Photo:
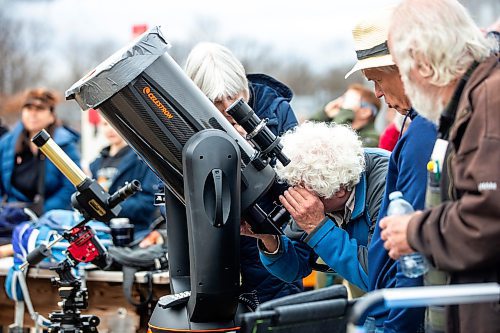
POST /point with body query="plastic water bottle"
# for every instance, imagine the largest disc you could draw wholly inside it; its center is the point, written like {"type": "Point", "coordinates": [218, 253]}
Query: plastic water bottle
{"type": "Point", "coordinates": [414, 264]}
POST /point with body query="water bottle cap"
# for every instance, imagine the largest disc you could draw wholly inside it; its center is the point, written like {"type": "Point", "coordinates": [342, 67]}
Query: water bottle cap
{"type": "Point", "coordinates": [395, 195]}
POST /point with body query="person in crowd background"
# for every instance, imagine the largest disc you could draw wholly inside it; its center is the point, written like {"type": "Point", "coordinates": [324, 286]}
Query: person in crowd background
{"type": "Point", "coordinates": [27, 176]}
{"type": "Point", "coordinates": [451, 73]}
{"type": "Point", "coordinates": [222, 78]}
{"type": "Point", "coordinates": [393, 132]}
{"type": "Point", "coordinates": [118, 164]}
{"type": "Point", "coordinates": [334, 199]}
{"type": "Point", "coordinates": [357, 107]}
{"type": "Point", "coordinates": [407, 170]}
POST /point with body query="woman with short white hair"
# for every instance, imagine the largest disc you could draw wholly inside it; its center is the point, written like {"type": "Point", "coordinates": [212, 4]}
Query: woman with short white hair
{"type": "Point", "coordinates": [335, 195]}
{"type": "Point", "coordinates": [217, 72]}
{"type": "Point", "coordinates": [222, 78]}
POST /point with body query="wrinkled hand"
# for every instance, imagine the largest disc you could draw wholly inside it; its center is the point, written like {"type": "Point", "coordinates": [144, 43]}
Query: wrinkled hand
{"type": "Point", "coordinates": [246, 230]}
{"type": "Point", "coordinates": [305, 207]}
{"type": "Point", "coordinates": [269, 241]}
{"type": "Point", "coordinates": [394, 230]}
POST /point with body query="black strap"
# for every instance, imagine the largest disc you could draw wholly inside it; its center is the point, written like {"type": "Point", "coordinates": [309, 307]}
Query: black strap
{"type": "Point", "coordinates": [376, 51]}
{"type": "Point", "coordinates": [128, 282]}
{"type": "Point", "coordinates": [39, 199]}
{"type": "Point", "coordinates": [411, 113]}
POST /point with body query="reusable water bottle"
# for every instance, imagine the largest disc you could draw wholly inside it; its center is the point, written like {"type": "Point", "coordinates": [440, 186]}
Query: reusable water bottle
{"type": "Point", "coordinates": [414, 264]}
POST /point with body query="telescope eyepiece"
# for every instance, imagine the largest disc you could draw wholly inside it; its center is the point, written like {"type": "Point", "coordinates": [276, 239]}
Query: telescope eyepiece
{"type": "Point", "coordinates": [268, 144]}
{"type": "Point", "coordinates": [124, 192]}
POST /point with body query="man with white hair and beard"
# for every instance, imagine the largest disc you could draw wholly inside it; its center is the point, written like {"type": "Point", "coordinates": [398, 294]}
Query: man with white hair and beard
{"type": "Point", "coordinates": [452, 76]}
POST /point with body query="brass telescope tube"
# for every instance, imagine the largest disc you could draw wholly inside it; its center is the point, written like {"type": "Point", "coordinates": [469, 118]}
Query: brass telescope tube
{"type": "Point", "coordinates": [70, 170]}
{"type": "Point", "coordinates": [60, 159]}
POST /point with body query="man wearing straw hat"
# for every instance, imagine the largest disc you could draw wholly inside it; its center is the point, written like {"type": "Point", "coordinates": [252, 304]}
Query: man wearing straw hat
{"type": "Point", "coordinates": [407, 167]}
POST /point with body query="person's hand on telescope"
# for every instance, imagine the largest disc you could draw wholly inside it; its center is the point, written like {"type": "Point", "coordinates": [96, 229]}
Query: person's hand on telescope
{"type": "Point", "coordinates": [269, 241]}
{"type": "Point", "coordinates": [305, 206]}
{"type": "Point", "coordinates": [240, 130]}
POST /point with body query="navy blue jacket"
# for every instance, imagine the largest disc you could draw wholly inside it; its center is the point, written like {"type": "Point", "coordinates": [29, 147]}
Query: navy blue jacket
{"type": "Point", "coordinates": [269, 99]}
{"type": "Point", "coordinates": [407, 173]}
{"type": "Point", "coordinates": [58, 189]}
{"type": "Point", "coordinates": [138, 208]}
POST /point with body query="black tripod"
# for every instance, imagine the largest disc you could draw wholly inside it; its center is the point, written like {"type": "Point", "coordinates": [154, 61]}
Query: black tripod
{"type": "Point", "coordinates": [73, 299]}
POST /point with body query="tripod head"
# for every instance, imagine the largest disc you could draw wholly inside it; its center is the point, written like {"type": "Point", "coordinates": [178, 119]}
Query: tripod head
{"type": "Point", "coordinates": [73, 299]}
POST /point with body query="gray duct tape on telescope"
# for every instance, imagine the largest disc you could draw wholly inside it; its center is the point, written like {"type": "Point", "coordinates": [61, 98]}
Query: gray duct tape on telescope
{"type": "Point", "coordinates": [118, 70]}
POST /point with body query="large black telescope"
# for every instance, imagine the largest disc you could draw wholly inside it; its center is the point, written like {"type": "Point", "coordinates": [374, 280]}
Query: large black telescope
{"type": "Point", "coordinates": [214, 176]}
{"type": "Point", "coordinates": [151, 102]}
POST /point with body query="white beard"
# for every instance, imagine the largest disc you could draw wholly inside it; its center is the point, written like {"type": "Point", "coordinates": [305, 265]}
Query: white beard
{"type": "Point", "coordinates": [427, 105]}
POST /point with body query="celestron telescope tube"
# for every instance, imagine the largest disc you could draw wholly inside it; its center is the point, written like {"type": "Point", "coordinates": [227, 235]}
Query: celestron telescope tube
{"type": "Point", "coordinates": [156, 108]}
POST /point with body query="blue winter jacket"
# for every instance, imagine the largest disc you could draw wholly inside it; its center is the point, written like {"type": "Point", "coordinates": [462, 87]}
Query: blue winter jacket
{"type": "Point", "coordinates": [138, 208]}
{"type": "Point", "coordinates": [342, 249]}
{"type": "Point", "coordinates": [269, 99]}
{"type": "Point", "coordinates": [408, 174]}
{"type": "Point", "coordinates": [58, 189]}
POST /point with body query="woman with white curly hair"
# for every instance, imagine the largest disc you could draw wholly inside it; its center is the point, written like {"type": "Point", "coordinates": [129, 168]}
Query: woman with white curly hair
{"type": "Point", "coordinates": [335, 195]}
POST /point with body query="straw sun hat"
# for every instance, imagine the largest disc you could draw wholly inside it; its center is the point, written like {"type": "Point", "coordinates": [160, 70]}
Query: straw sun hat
{"type": "Point", "coordinates": [370, 40]}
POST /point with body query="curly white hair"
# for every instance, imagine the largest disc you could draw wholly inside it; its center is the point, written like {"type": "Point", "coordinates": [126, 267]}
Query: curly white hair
{"type": "Point", "coordinates": [324, 157]}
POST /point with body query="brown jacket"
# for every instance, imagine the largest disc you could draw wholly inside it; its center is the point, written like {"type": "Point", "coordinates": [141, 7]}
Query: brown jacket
{"type": "Point", "coordinates": [462, 236]}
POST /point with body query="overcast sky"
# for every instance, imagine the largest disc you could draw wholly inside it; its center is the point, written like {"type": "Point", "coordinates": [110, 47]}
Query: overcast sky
{"type": "Point", "coordinates": [318, 31]}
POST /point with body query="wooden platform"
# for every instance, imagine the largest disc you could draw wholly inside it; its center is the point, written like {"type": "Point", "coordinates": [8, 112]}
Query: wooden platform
{"type": "Point", "coordinates": [105, 295]}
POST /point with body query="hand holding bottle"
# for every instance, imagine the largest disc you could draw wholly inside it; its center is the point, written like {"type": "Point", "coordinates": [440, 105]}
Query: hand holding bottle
{"type": "Point", "coordinates": [394, 227]}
